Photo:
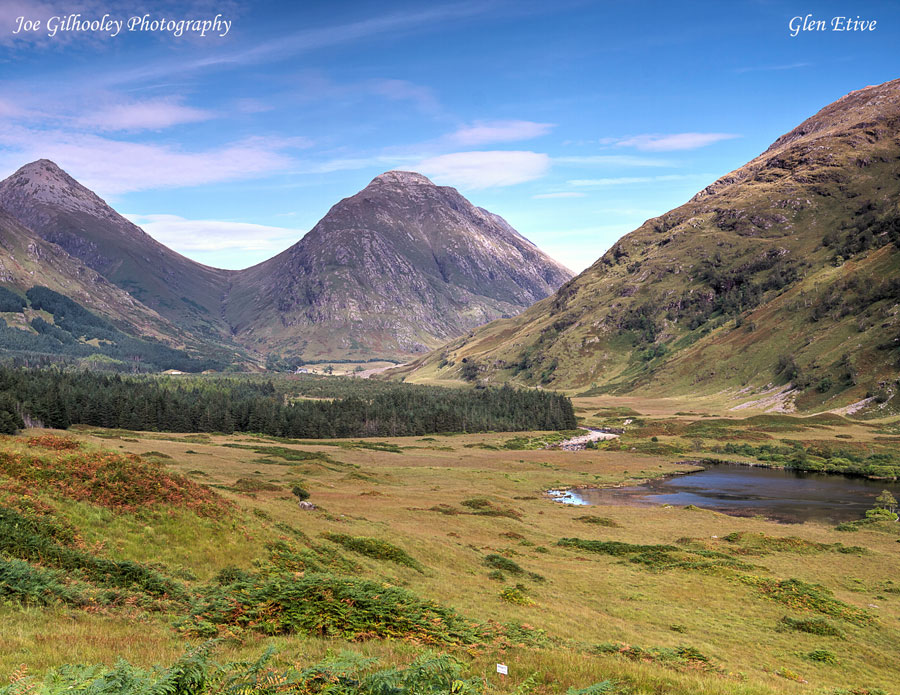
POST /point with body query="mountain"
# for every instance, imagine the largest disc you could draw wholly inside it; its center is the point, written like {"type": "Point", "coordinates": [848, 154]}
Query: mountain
{"type": "Point", "coordinates": [782, 276]}
{"type": "Point", "coordinates": [27, 260]}
{"type": "Point", "coordinates": [396, 269]}
{"type": "Point", "coordinates": [47, 200]}
{"type": "Point", "coordinates": [55, 307]}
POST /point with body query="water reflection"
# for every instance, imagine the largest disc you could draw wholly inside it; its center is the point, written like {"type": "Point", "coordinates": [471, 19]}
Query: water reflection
{"type": "Point", "coordinates": [786, 496]}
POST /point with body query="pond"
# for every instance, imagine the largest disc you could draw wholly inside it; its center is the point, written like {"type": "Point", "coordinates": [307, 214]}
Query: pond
{"type": "Point", "coordinates": [782, 495]}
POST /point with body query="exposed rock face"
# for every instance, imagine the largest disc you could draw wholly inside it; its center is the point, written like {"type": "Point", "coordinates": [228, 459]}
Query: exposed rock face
{"type": "Point", "coordinates": [398, 268]}
{"type": "Point", "coordinates": [47, 200]}
{"type": "Point", "coordinates": [784, 270]}
{"type": "Point", "coordinates": [27, 260]}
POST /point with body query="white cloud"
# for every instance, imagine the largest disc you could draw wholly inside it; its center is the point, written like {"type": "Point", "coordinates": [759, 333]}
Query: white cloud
{"type": "Point", "coordinates": [623, 180]}
{"type": "Point", "coordinates": [620, 160]}
{"type": "Point", "coordinates": [562, 194]}
{"type": "Point", "coordinates": [484, 132]}
{"type": "Point", "coordinates": [112, 167]}
{"type": "Point", "coordinates": [143, 115]}
{"type": "Point", "coordinates": [485, 169]}
{"type": "Point", "coordinates": [190, 236]}
{"type": "Point", "coordinates": [675, 141]}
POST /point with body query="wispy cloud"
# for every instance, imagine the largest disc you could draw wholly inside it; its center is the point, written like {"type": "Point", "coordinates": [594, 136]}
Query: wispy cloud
{"type": "Point", "coordinates": [188, 236]}
{"type": "Point", "coordinates": [486, 132]}
{"type": "Point", "coordinates": [113, 167]}
{"type": "Point", "coordinates": [561, 194]}
{"type": "Point", "coordinates": [486, 169]}
{"type": "Point", "coordinates": [153, 114]}
{"type": "Point", "coordinates": [768, 68]}
{"type": "Point", "coordinates": [423, 98]}
{"type": "Point", "coordinates": [617, 160]}
{"type": "Point", "coordinates": [317, 38]}
{"type": "Point", "coordinates": [676, 141]}
{"type": "Point", "coordinates": [314, 86]}
{"type": "Point", "coordinates": [625, 180]}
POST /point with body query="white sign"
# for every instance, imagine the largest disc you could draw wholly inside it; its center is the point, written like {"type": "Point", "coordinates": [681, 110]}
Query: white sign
{"type": "Point", "coordinates": [502, 669]}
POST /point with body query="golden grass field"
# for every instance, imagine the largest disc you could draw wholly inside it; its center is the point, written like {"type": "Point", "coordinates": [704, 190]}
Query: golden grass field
{"type": "Point", "coordinates": [586, 598]}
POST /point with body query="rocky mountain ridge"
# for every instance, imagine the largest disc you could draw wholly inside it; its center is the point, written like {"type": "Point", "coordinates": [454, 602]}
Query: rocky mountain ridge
{"type": "Point", "coordinates": [784, 273]}
{"type": "Point", "coordinates": [394, 270]}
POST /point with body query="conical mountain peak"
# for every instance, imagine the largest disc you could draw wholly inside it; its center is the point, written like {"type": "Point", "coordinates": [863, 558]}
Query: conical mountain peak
{"type": "Point", "coordinates": [401, 178]}
{"type": "Point", "coordinates": [43, 181]}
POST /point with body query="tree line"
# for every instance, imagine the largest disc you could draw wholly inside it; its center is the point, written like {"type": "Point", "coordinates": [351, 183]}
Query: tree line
{"type": "Point", "coordinates": [59, 398]}
{"type": "Point", "coordinates": [74, 326]}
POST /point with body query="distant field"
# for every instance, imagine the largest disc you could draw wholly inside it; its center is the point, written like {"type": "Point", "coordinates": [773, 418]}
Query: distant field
{"type": "Point", "coordinates": [653, 599]}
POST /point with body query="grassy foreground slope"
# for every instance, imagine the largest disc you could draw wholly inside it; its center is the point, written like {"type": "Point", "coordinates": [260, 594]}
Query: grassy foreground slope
{"type": "Point", "coordinates": [134, 545]}
{"type": "Point", "coordinates": [783, 272]}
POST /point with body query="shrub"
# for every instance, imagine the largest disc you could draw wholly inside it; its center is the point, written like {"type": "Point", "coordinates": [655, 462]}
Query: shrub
{"type": "Point", "coordinates": [482, 506]}
{"type": "Point", "coordinates": [759, 544]}
{"type": "Point", "coordinates": [469, 370]}
{"type": "Point", "coordinates": [122, 482]}
{"type": "Point", "coordinates": [673, 657]}
{"type": "Point", "coordinates": [598, 520]}
{"type": "Point", "coordinates": [252, 485]}
{"type": "Point", "coordinates": [823, 656]}
{"type": "Point", "coordinates": [504, 564]}
{"type": "Point", "coordinates": [300, 493]}
{"type": "Point", "coordinates": [27, 584]}
{"type": "Point", "coordinates": [155, 455]}
{"type": "Point", "coordinates": [517, 594]}
{"type": "Point", "coordinates": [600, 688]}
{"type": "Point", "coordinates": [195, 673]}
{"type": "Point", "coordinates": [787, 674]}
{"type": "Point", "coordinates": [477, 503]}
{"type": "Point", "coordinates": [326, 605]}
{"type": "Point", "coordinates": [813, 626]}
{"type": "Point", "coordinates": [30, 540]}
{"type": "Point", "coordinates": [879, 514]}
{"type": "Point", "coordinates": [806, 596]}
{"type": "Point", "coordinates": [285, 557]}
{"type": "Point", "coordinates": [374, 548]}
{"type": "Point", "coordinates": [54, 443]}
{"type": "Point", "coordinates": [886, 501]}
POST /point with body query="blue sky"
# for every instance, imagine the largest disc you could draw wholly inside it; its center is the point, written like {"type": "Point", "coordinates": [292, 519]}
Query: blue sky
{"type": "Point", "coordinates": [574, 120]}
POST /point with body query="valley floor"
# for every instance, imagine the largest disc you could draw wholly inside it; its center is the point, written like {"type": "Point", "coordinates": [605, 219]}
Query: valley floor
{"type": "Point", "coordinates": [662, 604]}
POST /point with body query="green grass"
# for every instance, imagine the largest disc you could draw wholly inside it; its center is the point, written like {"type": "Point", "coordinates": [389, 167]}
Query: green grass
{"type": "Point", "coordinates": [264, 573]}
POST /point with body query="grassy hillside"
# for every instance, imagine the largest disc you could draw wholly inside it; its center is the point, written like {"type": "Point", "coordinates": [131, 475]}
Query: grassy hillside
{"type": "Point", "coordinates": [48, 325]}
{"type": "Point", "coordinates": [28, 260]}
{"type": "Point", "coordinates": [782, 273]}
{"type": "Point", "coordinates": [62, 211]}
{"type": "Point", "coordinates": [419, 546]}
